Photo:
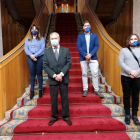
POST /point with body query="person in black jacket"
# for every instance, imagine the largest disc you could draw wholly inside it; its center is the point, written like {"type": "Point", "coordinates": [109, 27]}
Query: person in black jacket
{"type": "Point", "coordinates": [56, 64]}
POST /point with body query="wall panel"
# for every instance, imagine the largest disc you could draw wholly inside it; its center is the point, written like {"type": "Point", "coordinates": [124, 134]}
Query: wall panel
{"type": "Point", "coordinates": [12, 33]}
{"type": "Point", "coordinates": [122, 28]}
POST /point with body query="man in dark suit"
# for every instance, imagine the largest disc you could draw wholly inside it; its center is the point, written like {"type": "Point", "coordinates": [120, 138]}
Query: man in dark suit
{"type": "Point", "coordinates": [87, 45]}
{"type": "Point", "coordinates": [56, 64]}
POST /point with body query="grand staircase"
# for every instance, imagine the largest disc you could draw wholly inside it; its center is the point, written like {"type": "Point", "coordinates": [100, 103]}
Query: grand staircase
{"type": "Point", "coordinates": [92, 117]}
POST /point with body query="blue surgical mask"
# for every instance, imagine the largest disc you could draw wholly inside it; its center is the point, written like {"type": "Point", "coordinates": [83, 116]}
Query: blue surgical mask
{"type": "Point", "coordinates": [134, 43]}
{"type": "Point", "coordinates": [54, 42]}
{"type": "Point", "coordinates": [87, 29]}
{"type": "Point", "coordinates": [34, 32]}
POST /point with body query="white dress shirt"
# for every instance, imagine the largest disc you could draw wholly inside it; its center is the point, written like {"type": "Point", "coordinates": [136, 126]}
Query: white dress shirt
{"type": "Point", "coordinates": [58, 48]}
{"type": "Point", "coordinates": [87, 37]}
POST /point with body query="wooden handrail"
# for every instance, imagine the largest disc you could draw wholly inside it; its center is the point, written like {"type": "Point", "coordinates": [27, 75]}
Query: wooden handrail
{"type": "Point", "coordinates": [14, 73]}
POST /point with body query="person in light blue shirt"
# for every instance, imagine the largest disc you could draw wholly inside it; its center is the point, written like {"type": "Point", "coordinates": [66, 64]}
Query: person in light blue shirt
{"type": "Point", "coordinates": [34, 49]}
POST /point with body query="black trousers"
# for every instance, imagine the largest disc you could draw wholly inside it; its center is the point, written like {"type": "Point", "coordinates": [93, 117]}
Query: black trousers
{"type": "Point", "coordinates": [130, 86]}
{"type": "Point", "coordinates": [64, 100]}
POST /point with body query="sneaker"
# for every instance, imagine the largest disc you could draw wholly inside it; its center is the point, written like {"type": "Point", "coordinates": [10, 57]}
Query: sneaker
{"type": "Point", "coordinates": [85, 92]}
{"type": "Point", "coordinates": [99, 94]}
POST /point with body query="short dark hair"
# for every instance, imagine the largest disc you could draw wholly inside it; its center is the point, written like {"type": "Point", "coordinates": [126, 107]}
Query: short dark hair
{"type": "Point", "coordinates": [86, 21]}
{"type": "Point", "coordinates": [128, 40]}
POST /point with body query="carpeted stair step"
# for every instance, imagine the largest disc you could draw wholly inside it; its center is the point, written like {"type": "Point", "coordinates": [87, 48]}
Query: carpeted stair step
{"type": "Point", "coordinates": [68, 40]}
{"type": "Point", "coordinates": [75, 110]}
{"type": "Point", "coordinates": [68, 45]}
{"type": "Point", "coordinates": [73, 88]}
{"type": "Point", "coordinates": [73, 79]}
{"type": "Point", "coordinates": [65, 24]}
{"type": "Point", "coordinates": [67, 33]}
{"type": "Point", "coordinates": [73, 49]}
{"type": "Point", "coordinates": [78, 136]}
{"type": "Point", "coordinates": [85, 124]}
{"type": "Point", "coordinates": [68, 23]}
{"type": "Point", "coordinates": [75, 72]}
{"type": "Point", "coordinates": [69, 37]}
{"type": "Point", "coordinates": [78, 79]}
{"type": "Point", "coordinates": [75, 66]}
{"type": "Point", "coordinates": [75, 59]}
{"type": "Point", "coordinates": [69, 18]}
{"type": "Point", "coordinates": [70, 31]}
{"type": "Point", "coordinates": [75, 98]}
{"type": "Point", "coordinates": [67, 29]}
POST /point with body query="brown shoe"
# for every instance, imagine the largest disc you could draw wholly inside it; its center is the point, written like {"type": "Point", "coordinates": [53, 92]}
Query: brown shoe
{"type": "Point", "coordinates": [68, 122]}
{"type": "Point", "coordinates": [51, 122]}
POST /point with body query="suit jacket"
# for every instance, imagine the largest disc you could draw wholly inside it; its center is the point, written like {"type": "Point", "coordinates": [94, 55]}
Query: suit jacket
{"type": "Point", "coordinates": [82, 47]}
{"type": "Point", "coordinates": [51, 66]}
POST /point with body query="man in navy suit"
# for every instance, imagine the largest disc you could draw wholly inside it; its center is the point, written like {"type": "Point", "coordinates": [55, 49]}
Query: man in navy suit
{"type": "Point", "coordinates": [87, 45]}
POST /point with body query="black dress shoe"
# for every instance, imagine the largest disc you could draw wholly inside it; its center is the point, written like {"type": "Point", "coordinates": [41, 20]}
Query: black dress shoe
{"type": "Point", "coordinates": [31, 95]}
{"type": "Point", "coordinates": [51, 122]}
{"type": "Point", "coordinates": [40, 93]}
{"type": "Point", "coordinates": [127, 119]}
{"type": "Point", "coordinates": [135, 120]}
{"type": "Point", "coordinates": [68, 122]}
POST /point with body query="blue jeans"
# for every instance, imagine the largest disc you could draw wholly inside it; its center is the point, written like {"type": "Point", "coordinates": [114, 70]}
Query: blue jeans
{"type": "Point", "coordinates": [35, 68]}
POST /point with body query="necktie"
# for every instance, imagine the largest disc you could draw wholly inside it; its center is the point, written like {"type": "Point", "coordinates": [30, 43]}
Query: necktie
{"type": "Point", "coordinates": [56, 53]}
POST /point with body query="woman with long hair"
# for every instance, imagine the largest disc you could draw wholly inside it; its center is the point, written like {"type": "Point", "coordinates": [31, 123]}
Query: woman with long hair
{"type": "Point", "coordinates": [34, 48]}
{"type": "Point", "coordinates": [129, 61]}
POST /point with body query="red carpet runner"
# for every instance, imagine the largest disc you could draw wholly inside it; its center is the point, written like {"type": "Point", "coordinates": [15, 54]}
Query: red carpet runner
{"type": "Point", "coordinates": [92, 117]}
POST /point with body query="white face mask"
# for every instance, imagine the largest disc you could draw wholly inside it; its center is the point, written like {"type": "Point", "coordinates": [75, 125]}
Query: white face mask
{"type": "Point", "coordinates": [54, 42]}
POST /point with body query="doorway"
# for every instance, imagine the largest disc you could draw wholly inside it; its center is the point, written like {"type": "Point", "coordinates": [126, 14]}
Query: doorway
{"type": "Point", "coordinates": [65, 6]}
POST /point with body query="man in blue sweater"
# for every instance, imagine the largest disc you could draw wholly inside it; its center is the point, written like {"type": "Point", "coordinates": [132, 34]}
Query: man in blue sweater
{"type": "Point", "coordinates": [87, 45]}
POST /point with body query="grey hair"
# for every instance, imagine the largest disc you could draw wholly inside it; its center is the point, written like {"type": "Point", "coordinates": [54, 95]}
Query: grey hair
{"type": "Point", "coordinates": [54, 33]}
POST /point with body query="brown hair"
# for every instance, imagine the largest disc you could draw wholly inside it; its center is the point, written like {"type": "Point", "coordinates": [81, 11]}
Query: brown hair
{"type": "Point", "coordinates": [31, 36]}
{"type": "Point", "coordinates": [86, 21]}
{"type": "Point", "coordinates": [128, 40]}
